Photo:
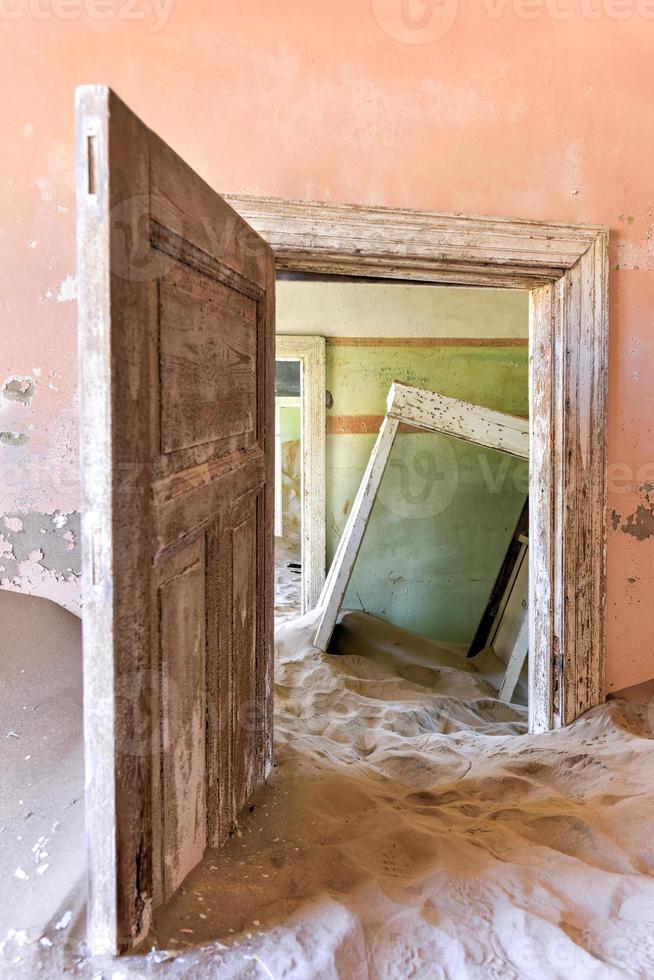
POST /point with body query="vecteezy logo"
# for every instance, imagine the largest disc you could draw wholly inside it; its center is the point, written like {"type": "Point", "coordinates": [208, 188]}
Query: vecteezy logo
{"type": "Point", "coordinates": [422, 477]}
{"type": "Point", "coordinates": [133, 255]}
{"type": "Point", "coordinates": [415, 21]}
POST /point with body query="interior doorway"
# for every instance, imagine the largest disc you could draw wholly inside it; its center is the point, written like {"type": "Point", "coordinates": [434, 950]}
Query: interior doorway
{"type": "Point", "coordinates": [299, 473]}
{"type": "Point", "coordinates": [288, 489]}
{"type": "Point", "coordinates": [565, 268]}
{"type": "Point", "coordinates": [446, 511]}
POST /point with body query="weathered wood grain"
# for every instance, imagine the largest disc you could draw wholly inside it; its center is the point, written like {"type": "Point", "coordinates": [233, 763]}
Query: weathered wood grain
{"type": "Point", "coordinates": [177, 364]}
{"type": "Point", "coordinates": [342, 239]}
{"type": "Point", "coordinates": [568, 344]}
{"type": "Point", "coordinates": [462, 420]}
{"type": "Point", "coordinates": [349, 545]}
{"type": "Point", "coordinates": [516, 663]}
{"type": "Point", "coordinates": [182, 666]}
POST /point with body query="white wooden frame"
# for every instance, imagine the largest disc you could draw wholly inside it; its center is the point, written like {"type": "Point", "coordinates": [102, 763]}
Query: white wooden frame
{"type": "Point", "coordinates": [310, 351]}
{"type": "Point", "coordinates": [280, 403]}
{"type": "Point", "coordinates": [512, 599]}
{"type": "Point", "coordinates": [566, 269]}
{"type": "Point", "coordinates": [516, 662]}
{"type": "Point", "coordinates": [425, 410]}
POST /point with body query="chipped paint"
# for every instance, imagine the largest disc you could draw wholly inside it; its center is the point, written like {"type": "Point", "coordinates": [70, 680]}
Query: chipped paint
{"type": "Point", "coordinates": [13, 438]}
{"type": "Point", "coordinates": [67, 290]}
{"type": "Point", "coordinates": [50, 540]}
{"type": "Point", "coordinates": [387, 375]}
{"type": "Point", "coordinates": [640, 523]}
{"type": "Point", "coordinates": [19, 390]}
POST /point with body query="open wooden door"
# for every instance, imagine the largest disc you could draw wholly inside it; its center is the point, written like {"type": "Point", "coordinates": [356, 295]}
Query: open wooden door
{"type": "Point", "coordinates": [176, 307]}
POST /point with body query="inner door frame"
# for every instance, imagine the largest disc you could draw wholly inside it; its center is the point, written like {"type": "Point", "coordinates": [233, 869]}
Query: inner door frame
{"type": "Point", "coordinates": [310, 352]}
{"type": "Point", "coordinates": [565, 267]}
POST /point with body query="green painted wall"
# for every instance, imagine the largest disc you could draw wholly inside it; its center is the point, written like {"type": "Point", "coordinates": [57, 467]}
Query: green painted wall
{"type": "Point", "coordinates": [390, 309]}
{"type": "Point", "coordinates": [446, 509]}
{"type": "Point", "coordinates": [290, 423]}
{"type": "Point", "coordinates": [359, 377]}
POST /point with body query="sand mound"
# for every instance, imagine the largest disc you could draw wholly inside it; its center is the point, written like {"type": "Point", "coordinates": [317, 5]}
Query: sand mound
{"type": "Point", "coordinates": [412, 829]}
{"type": "Point", "coordinates": [42, 784]}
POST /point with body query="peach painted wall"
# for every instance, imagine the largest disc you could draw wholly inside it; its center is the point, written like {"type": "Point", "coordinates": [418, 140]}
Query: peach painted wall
{"type": "Point", "coordinates": [528, 108]}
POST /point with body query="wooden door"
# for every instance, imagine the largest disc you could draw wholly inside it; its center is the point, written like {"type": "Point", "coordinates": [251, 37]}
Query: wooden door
{"type": "Point", "coordinates": [176, 307]}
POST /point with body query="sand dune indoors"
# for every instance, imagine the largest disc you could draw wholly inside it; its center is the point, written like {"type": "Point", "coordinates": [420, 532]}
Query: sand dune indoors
{"type": "Point", "coordinates": [412, 829]}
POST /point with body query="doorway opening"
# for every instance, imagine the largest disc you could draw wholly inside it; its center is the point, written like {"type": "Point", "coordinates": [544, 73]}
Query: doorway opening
{"type": "Point", "coordinates": [565, 269]}
{"type": "Point", "coordinates": [299, 472]}
{"type": "Point", "coordinates": [288, 489]}
{"type": "Point", "coordinates": [446, 510]}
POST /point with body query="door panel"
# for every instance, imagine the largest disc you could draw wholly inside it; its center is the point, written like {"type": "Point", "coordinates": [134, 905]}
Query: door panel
{"type": "Point", "coordinates": [244, 632]}
{"type": "Point", "coordinates": [193, 354]}
{"type": "Point", "coordinates": [182, 643]}
{"type": "Point", "coordinates": [176, 314]}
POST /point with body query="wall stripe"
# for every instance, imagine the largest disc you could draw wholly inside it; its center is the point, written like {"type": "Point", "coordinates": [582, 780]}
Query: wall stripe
{"type": "Point", "coordinates": [427, 341]}
{"type": "Point", "coordinates": [365, 425]}
{"type": "Point", "coordinates": [361, 424]}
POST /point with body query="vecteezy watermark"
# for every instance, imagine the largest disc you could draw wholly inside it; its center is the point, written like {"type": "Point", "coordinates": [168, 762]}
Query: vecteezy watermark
{"type": "Point", "coordinates": [426, 21]}
{"type": "Point", "coordinates": [569, 9]}
{"type": "Point", "coordinates": [154, 13]}
{"type": "Point", "coordinates": [422, 480]}
{"type": "Point", "coordinates": [419, 482]}
{"type": "Point", "coordinates": [415, 21]}
{"type": "Point", "coordinates": [143, 250]}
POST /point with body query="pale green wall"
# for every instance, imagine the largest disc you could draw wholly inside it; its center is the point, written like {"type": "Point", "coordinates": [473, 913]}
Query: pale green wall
{"type": "Point", "coordinates": [433, 546]}
{"type": "Point", "coordinates": [359, 377]}
{"type": "Point", "coordinates": [446, 509]}
{"type": "Point", "coordinates": [352, 309]}
{"type": "Point", "coordinates": [290, 423]}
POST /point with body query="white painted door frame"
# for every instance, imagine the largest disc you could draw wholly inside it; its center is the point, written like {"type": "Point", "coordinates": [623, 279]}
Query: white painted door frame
{"type": "Point", "coordinates": [565, 267]}
{"type": "Point", "coordinates": [287, 401]}
{"type": "Point", "coordinates": [310, 352]}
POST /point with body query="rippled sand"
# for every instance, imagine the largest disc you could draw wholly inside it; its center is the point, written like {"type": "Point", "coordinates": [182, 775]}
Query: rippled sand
{"type": "Point", "coordinates": [412, 829]}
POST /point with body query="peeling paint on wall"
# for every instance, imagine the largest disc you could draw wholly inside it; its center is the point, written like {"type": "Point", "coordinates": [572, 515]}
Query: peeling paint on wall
{"type": "Point", "coordinates": [67, 290]}
{"type": "Point", "coordinates": [50, 540]}
{"type": "Point", "coordinates": [639, 524]}
{"type": "Point", "coordinates": [19, 390]}
{"type": "Point", "coordinates": [388, 375]}
{"type": "Point", "coordinates": [13, 438]}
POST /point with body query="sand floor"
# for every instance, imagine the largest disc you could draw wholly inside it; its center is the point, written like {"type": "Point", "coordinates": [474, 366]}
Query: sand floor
{"type": "Point", "coordinates": [288, 584]}
{"type": "Point", "coordinates": [411, 829]}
